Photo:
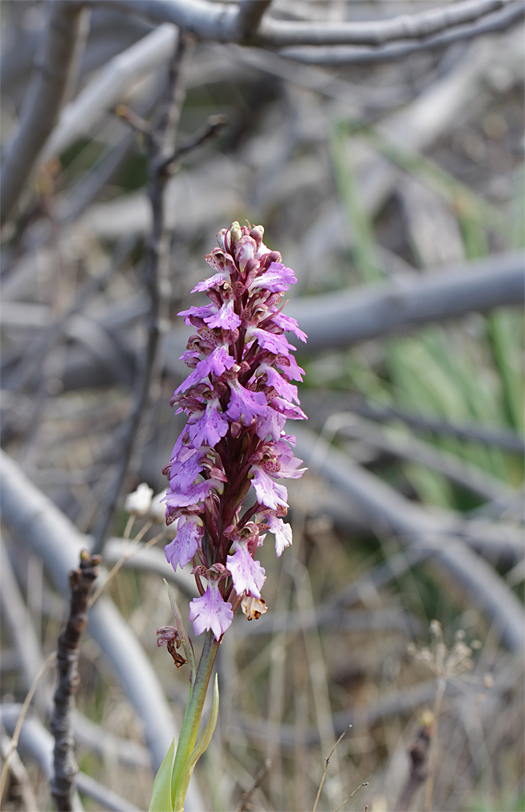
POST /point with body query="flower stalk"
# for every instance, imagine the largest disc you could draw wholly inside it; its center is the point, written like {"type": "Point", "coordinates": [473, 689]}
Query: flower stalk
{"type": "Point", "coordinates": [181, 769]}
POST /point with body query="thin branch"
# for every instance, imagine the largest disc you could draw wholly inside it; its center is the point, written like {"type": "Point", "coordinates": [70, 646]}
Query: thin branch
{"type": "Point", "coordinates": [19, 773]}
{"type": "Point", "coordinates": [99, 97]}
{"type": "Point", "coordinates": [126, 555]}
{"type": "Point", "coordinates": [149, 560]}
{"type": "Point", "coordinates": [327, 762]}
{"type": "Point", "coordinates": [486, 435]}
{"type": "Point", "coordinates": [365, 55]}
{"type": "Point", "coordinates": [468, 476]}
{"type": "Point", "coordinates": [23, 712]}
{"type": "Point", "coordinates": [352, 316]}
{"type": "Point", "coordinates": [42, 104]}
{"type": "Point", "coordinates": [37, 743]}
{"type": "Point", "coordinates": [37, 348]}
{"type": "Point", "coordinates": [212, 128]}
{"type": "Point", "coordinates": [418, 750]}
{"type": "Point", "coordinates": [364, 784]}
{"type": "Point", "coordinates": [389, 511]}
{"type": "Point", "coordinates": [361, 620]}
{"type": "Point", "coordinates": [250, 16]}
{"type": "Point", "coordinates": [392, 704]}
{"type": "Point", "coordinates": [259, 778]}
{"type": "Point", "coordinates": [159, 145]}
{"type": "Point", "coordinates": [224, 23]}
{"type": "Point", "coordinates": [65, 767]}
{"type": "Point", "coordinates": [50, 535]}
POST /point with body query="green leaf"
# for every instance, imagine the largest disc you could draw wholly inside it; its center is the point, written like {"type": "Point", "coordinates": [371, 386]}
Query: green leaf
{"type": "Point", "coordinates": [181, 628]}
{"type": "Point", "coordinates": [198, 750]}
{"type": "Point", "coordinates": [161, 792]}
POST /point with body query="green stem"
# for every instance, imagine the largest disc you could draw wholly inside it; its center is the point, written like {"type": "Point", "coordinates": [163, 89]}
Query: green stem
{"type": "Point", "coordinates": [192, 715]}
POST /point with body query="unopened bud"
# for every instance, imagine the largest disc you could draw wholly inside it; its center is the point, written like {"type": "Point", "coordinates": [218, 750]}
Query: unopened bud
{"type": "Point", "coordinates": [235, 233]}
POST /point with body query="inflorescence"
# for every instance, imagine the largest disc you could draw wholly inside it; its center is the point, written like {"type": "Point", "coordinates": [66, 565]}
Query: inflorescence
{"type": "Point", "coordinates": [237, 399]}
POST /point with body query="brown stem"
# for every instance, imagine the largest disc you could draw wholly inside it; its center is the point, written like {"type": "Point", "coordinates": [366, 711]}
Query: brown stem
{"type": "Point", "coordinates": [418, 752]}
{"type": "Point", "coordinates": [65, 767]}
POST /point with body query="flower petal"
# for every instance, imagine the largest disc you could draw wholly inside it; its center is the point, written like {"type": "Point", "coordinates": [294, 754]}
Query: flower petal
{"type": "Point", "coordinates": [211, 611]}
{"type": "Point", "coordinates": [181, 550]}
{"type": "Point", "coordinates": [247, 574]}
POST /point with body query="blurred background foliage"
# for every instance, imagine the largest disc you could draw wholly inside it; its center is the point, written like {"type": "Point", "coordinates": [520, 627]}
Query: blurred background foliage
{"type": "Point", "coordinates": [363, 175]}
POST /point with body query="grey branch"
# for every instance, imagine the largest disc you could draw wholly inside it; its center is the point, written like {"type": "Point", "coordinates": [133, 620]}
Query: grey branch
{"type": "Point", "coordinates": [54, 539]}
{"type": "Point", "coordinates": [495, 541]}
{"type": "Point", "coordinates": [150, 560]}
{"type": "Point", "coordinates": [18, 771]}
{"type": "Point", "coordinates": [362, 54]}
{"type": "Point", "coordinates": [251, 13]}
{"type": "Point", "coordinates": [393, 703]}
{"type": "Point", "coordinates": [227, 23]}
{"type": "Point", "coordinates": [110, 85]}
{"type": "Point", "coordinates": [390, 512]}
{"type": "Point", "coordinates": [466, 475]}
{"type": "Point", "coordinates": [100, 741]}
{"type": "Point", "coordinates": [42, 104]}
{"type": "Point", "coordinates": [16, 616]}
{"type": "Point", "coordinates": [348, 317]}
{"type": "Point", "coordinates": [341, 319]}
{"type": "Point", "coordinates": [37, 743]}
{"type": "Point", "coordinates": [160, 145]}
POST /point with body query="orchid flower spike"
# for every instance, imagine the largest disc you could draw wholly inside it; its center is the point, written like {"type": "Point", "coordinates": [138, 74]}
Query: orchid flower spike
{"type": "Point", "coordinates": [237, 397]}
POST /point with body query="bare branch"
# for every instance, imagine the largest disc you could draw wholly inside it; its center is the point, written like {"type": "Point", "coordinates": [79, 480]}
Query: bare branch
{"type": "Point", "coordinates": [150, 560]}
{"type": "Point", "coordinates": [160, 145]}
{"type": "Point", "coordinates": [212, 128]}
{"type": "Point", "coordinates": [471, 432]}
{"type": "Point", "coordinates": [465, 475]}
{"type": "Point", "coordinates": [278, 34]}
{"type": "Point", "coordinates": [224, 23]}
{"type": "Point", "coordinates": [360, 55]}
{"type": "Point", "coordinates": [388, 511]}
{"type": "Point", "coordinates": [42, 104]}
{"type": "Point", "coordinates": [19, 773]}
{"type": "Point", "coordinates": [386, 706]}
{"type": "Point", "coordinates": [257, 781]}
{"type": "Point", "coordinates": [97, 740]}
{"type": "Point", "coordinates": [65, 767]}
{"type": "Point", "coordinates": [37, 743]}
{"type": "Point", "coordinates": [16, 617]}
{"type": "Point", "coordinates": [251, 13]}
{"type": "Point", "coordinates": [99, 97]}
{"type": "Point", "coordinates": [205, 20]}
{"type": "Point", "coordinates": [51, 536]}
{"type": "Point", "coordinates": [349, 317]}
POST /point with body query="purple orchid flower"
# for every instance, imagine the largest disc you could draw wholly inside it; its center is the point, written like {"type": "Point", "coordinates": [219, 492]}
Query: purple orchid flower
{"type": "Point", "coordinates": [237, 398]}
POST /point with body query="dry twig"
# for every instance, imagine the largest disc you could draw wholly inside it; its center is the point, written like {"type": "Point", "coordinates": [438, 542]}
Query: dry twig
{"type": "Point", "coordinates": [65, 768]}
{"type": "Point", "coordinates": [327, 762]}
